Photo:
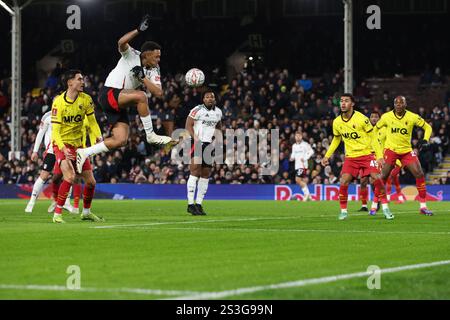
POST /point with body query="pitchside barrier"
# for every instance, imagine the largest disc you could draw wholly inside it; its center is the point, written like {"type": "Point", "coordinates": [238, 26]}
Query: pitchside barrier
{"type": "Point", "coordinates": [223, 192]}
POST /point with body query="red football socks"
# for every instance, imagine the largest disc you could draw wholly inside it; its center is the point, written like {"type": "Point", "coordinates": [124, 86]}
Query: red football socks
{"type": "Point", "coordinates": [363, 195]}
{"type": "Point", "coordinates": [379, 190]}
{"type": "Point", "coordinates": [87, 196]}
{"type": "Point", "coordinates": [62, 196]}
{"type": "Point", "coordinates": [76, 190]}
{"type": "Point", "coordinates": [421, 187]}
{"type": "Point", "coordinates": [343, 196]}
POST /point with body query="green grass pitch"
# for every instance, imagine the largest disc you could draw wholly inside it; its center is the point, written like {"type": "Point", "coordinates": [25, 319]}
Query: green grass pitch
{"type": "Point", "coordinates": [155, 250]}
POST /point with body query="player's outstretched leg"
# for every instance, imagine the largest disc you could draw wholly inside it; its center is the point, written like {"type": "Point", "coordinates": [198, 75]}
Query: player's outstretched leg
{"type": "Point", "coordinates": [140, 100]}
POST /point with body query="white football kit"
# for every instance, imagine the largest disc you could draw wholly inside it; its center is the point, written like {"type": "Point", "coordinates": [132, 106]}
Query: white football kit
{"type": "Point", "coordinates": [44, 133]}
{"type": "Point", "coordinates": [301, 153]}
{"type": "Point", "coordinates": [121, 76]}
{"type": "Point", "coordinates": [205, 121]}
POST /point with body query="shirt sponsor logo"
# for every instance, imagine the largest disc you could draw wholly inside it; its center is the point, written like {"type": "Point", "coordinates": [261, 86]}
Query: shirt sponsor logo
{"type": "Point", "coordinates": [351, 135]}
{"type": "Point", "coordinates": [209, 123]}
{"type": "Point", "coordinates": [68, 119]}
{"type": "Point", "coordinates": [399, 130]}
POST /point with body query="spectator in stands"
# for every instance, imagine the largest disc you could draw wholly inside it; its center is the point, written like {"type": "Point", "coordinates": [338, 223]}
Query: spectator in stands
{"type": "Point", "coordinates": [305, 83]}
{"type": "Point", "coordinates": [426, 77]}
{"type": "Point", "coordinates": [446, 180]}
{"type": "Point", "coordinates": [4, 104]}
{"type": "Point", "coordinates": [437, 79]}
{"type": "Point", "coordinates": [362, 92]}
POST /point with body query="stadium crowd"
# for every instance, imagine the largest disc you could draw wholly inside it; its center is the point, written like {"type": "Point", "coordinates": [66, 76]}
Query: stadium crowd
{"type": "Point", "coordinates": [272, 99]}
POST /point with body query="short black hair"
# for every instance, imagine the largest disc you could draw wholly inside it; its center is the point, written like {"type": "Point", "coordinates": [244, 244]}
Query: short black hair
{"type": "Point", "coordinates": [348, 95]}
{"type": "Point", "coordinates": [208, 90]}
{"type": "Point", "coordinates": [69, 74]}
{"type": "Point", "coordinates": [150, 46]}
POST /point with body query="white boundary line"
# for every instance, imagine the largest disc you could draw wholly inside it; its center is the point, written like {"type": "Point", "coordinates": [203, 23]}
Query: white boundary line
{"type": "Point", "coordinates": [301, 230]}
{"type": "Point", "coordinates": [109, 290]}
{"type": "Point", "coordinates": [237, 220]}
{"type": "Point", "coordinates": [193, 295]}
{"type": "Point", "coordinates": [302, 283]}
{"type": "Point", "coordinates": [191, 222]}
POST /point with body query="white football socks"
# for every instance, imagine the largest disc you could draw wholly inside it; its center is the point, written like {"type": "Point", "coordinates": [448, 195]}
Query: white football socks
{"type": "Point", "coordinates": [37, 188]}
{"type": "Point", "coordinates": [305, 191]}
{"type": "Point", "coordinates": [374, 205]}
{"type": "Point", "coordinates": [191, 186]}
{"type": "Point", "coordinates": [96, 149]}
{"type": "Point", "coordinates": [202, 188]}
{"type": "Point", "coordinates": [147, 122]}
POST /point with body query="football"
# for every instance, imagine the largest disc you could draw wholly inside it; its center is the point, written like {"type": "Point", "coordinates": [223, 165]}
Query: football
{"type": "Point", "coordinates": [195, 77]}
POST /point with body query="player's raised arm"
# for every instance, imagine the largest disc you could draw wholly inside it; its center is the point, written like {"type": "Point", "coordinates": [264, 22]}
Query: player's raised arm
{"type": "Point", "coordinates": [123, 41]}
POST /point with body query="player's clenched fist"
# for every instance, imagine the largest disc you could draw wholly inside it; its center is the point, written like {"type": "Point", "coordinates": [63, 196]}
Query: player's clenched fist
{"type": "Point", "coordinates": [144, 23]}
{"type": "Point", "coordinates": [325, 161]}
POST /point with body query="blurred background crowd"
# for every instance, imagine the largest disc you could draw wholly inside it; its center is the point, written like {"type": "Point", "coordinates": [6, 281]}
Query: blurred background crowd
{"type": "Point", "coordinates": [274, 65]}
{"type": "Point", "coordinates": [254, 99]}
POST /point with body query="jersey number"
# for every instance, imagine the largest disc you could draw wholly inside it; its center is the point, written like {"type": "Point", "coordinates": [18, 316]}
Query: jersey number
{"type": "Point", "coordinates": [373, 163]}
